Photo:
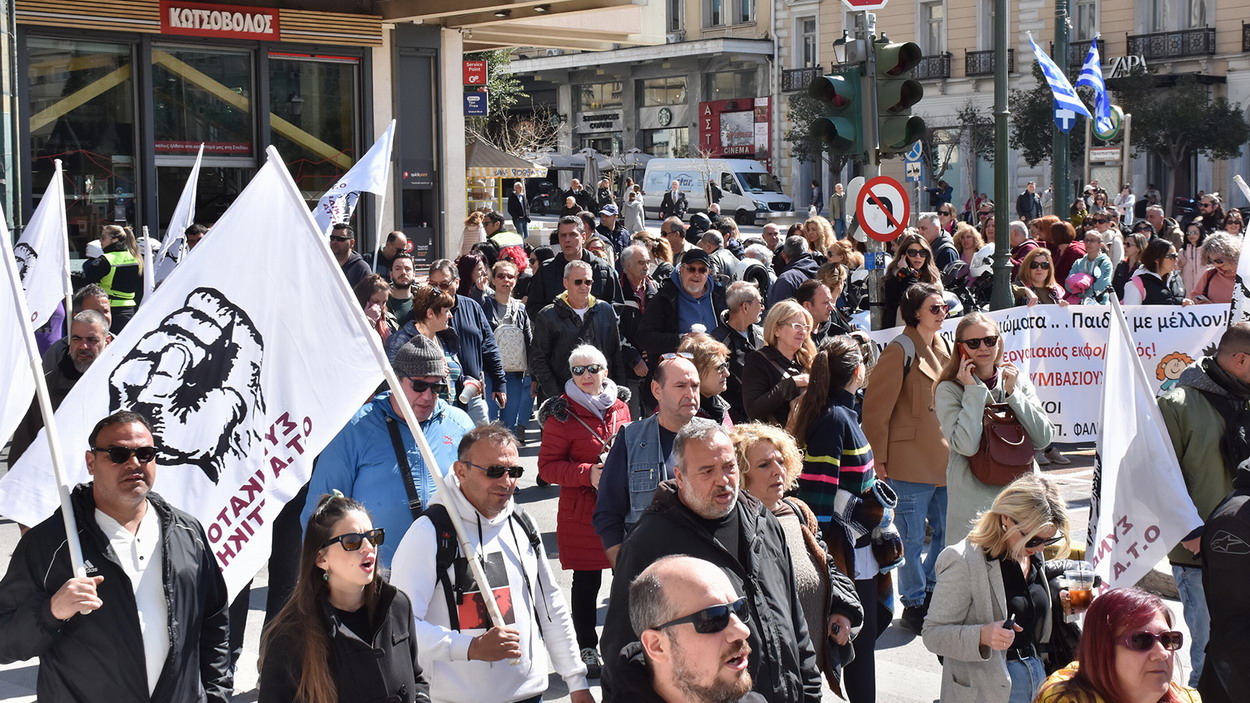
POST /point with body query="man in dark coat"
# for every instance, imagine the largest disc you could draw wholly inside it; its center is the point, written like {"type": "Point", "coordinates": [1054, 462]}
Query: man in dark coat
{"type": "Point", "coordinates": [519, 209]}
{"type": "Point", "coordinates": [1226, 566]}
{"type": "Point", "coordinates": [343, 246]}
{"type": "Point", "coordinates": [548, 280]}
{"type": "Point", "coordinates": [740, 332]}
{"type": "Point", "coordinates": [702, 513]}
{"type": "Point", "coordinates": [800, 266]}
{"type": "Point", "coordinates": [584, 198]}
{"type": "Point", "coordinates": [1029, 204]}
{"type": "Point", "coordinates": [575, 318]}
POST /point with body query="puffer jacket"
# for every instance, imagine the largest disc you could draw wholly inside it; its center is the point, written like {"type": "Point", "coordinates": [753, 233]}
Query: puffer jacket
{"type": "Point", "coordinates": [568, 452]}
{"type": "Point", "coordinates": [558, 331]}
{"type": "Point", "coordinates": [782, 662]}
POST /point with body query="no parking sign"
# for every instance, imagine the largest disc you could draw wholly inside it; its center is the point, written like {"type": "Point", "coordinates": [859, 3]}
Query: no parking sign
{"type": "Point", "coordinates": [883, 208]}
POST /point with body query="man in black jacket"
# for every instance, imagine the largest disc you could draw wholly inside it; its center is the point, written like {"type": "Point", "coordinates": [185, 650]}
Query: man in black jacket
{"type": "Point", "coordinates": [1226, 566]}
{"type": "Point", "coordinates": [575, 318]}
{"type": "Point", "coordinates": [343, 246]}
{"type": "Point", "coordinates": [740, 331]}
{"type": "Point", "coordinates": [156, 622]}
{"type": "Point", "coordinates": [519, 209]}
{"type": "Point", "coordinates": [673, 204]}
{"type": "Point", "coordinates": [702, 514]}
{"type": "Point", "coordinates": [548, 280]}
{"type": "Point", "coordinates": [1029, 204]}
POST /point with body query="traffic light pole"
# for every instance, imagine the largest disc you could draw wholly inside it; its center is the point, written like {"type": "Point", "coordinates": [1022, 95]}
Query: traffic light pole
{"type": "Point", "coordinates": [1061, 175]}
{"type": "Point", "coordinates": [866, 29]}
{"type": "Point", "coordinates": [1001, 296]}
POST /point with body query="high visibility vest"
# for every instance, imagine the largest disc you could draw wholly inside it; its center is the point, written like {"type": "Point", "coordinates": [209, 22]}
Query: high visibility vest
{"type": "Point", "coordinates": [118, 298]}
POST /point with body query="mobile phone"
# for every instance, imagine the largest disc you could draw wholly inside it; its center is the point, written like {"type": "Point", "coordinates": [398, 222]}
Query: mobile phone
{"type": "Point", "coordinates": [963, 353]}
{"type": "Point", "coordinates": [1010, 622]}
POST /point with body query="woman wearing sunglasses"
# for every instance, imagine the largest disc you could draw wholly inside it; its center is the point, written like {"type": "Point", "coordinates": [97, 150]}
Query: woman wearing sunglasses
{"type": "Point", "coordinates": [1036, 280]}
{"type": "Point", "coordinates": [1134, 245]}
{"type": "Point", "coordinates": [774, 375]}
{"type": "Point", "coordinates": [578, 428]}
{"type": "Point", "coordinates": [992, 608]}
{"type": "Point", "coordinates": [1220, 254]}
{"type": "Point", "coordinates": [912, 264]}
{"type": "Point", "coordinates": [1152, 283]}
{"type": "Point", "coordinates": [345, 634]}
{"type": "Point", "coordinates": [1127, 654]}
{"type": "Point", "coordinates": [975, 377]}
{"type": "Point", "coordinates": [711, 359]}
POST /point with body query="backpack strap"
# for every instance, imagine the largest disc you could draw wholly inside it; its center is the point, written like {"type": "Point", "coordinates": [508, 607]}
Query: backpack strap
{"type": "Point", "coordinates": [405, 469]}
{"type": "Point", "coordinates": [444, 559]}
{"type": "Point", "coordinates": [909, 351]}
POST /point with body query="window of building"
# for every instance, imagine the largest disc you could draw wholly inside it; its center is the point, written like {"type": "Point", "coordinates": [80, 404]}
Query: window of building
{"type": "Point", "coordinates": [1085, 20]}
{"type": "Point", "coordinates": [727, 85]}
{"type": "Point", "coordinates": [1198, 14]}
{"type": "Point", "coordinates": [805, 47]}
{"type": "Point", "coordinates": [313, 106]}
{"type": "Point", "coordinates": [597, 96]}
{"type": "Point", "coordinates": [715, 13]}
{"type": "Point", "coordinates": [986, 40]}
{"type": "Point", "coordinates": [932, 29]}
{"type": "Point", "coordinates": [676, 20]}
{"type": "Point", "coordinates": [746, 12]}
{"type": "Point", "coordinates": [663, 91]}
{"type": "Point", "coordinates": [82, 111]}
{"type": "Point", "coordinates": [203, 96]}
{"type": "Point", "coordinates": [671, 143]}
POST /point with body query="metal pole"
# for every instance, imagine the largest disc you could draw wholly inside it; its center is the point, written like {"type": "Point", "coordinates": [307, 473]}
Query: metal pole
{"type": "Point", "coordinates": [1089, 135]}
{"type": "Point", "coordinates": [1126, 156]}
{"type": "Point", "coordinates": [1001, 296]}
{"type": "Point", "coordinates": [1059, 144]}
{"type": "Point", "coordinates": [865, 30]}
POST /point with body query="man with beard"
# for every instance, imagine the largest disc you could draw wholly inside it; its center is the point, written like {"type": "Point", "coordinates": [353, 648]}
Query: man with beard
{"type": "Point", "coordinates": [548, 280]}
{"type": "Point", "coordinates": [342, 245]}
{"type": "Point", "coordinates": [693, 647]}
{"type": "Point", "coordinates": [690, 297]}
{"type": "Point", "coordinates": [702, 513]}
{"type": "Point", "coordinates": [384, 258]}
{"type": "Point", "coordinates": [399, 300]}
{"type": "Point", "coordinates": [63, 365]}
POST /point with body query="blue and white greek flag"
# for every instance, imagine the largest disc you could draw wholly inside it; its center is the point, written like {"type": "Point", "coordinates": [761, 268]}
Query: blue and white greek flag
{"type": "Point", "coordinates": [1091, 75]}
{"type": "Point", "coordinates": [1067, 104]}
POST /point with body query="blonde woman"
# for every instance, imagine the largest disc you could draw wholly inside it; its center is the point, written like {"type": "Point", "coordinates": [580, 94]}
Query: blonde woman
{"type": "Point", "coordinates": [774, 376]}
{"type": "Point", "coordinates": [474, 232]}
{"type": "Point", "coordinates": [994, 575]}
{"type": "Point", "coordinates": [119, 271]}
{"type": "Point", "coordinates": [819, 235]}
{"type": "Point", "coordinates": [711, 359]}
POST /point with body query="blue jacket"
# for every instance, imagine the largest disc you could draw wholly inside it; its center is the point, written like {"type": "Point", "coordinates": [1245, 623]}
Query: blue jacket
{"type": "Point", "coordinates": [474, 343]}
{"type": "Point", "coordinates": [360, 461]}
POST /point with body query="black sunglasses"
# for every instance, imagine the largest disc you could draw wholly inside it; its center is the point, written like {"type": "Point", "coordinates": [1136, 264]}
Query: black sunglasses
{"type": "Point", "coordinates": [917, 252]}
{"type": "Point", "coordinates": [1172, 255]}
{"type": "Point", "coordinates": [1039, 264]}
{"type": "Point", "coordinates": [496, 471]}
{"type": "Point", "coordinates": [339, 238]}
{"type": "Point", "coordinates": [121, 455]}
{"type": "Point", "coordinates": [1097, 220]}
{"type": "Point", "coordinates": [1145, 641]}
{"type": "Point", "coordinates": [975, 343]}
{"type": "Point", "coordinates": [1043, 542]}
{"type": "Point", "coordinates": [593, 368]}
{"type": "Point", "coordinates": [938, 309]}
{"type": "Point", "coordinates": [420, 387]}
{"type": "Point", "coordinates": [714, 619]}
{"type": "Point", "coordinates": [946, 212]}
{"type": "Point", "coordinates": [582, 281]}
{"type": "Point", "coordinates": [355, 540]}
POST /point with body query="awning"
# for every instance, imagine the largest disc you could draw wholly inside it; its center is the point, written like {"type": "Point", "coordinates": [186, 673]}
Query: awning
{"type": "Point", "coordinates": [485, 161]}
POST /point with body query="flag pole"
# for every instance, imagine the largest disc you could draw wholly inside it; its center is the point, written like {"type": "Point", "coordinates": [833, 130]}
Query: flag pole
{"type": "Point", "coordinates": [392, 381]}
{"type": "Point", "coordinates": [382, 201]}
{"type": "Point", "coordinates": [65, 278]}
{"type": "Point", "coordinates": [149, 276]}
{"type": "Point", "coordinates": [45, 402]}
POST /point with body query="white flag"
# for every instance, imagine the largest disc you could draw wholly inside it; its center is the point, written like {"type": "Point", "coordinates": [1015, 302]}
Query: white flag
{"type": "Point", "coordinates": [243, 380]}
{"type": "Point", "coordinates": [43, 254]}
{"type": "Point", "coordinates": [19, 380]}
{"type": "Point", "coordinates": [175, 245]}
{"type": "Point", "coordinates": [1141, 509]}
{"type": "Point", "coordinates": [368, 175]}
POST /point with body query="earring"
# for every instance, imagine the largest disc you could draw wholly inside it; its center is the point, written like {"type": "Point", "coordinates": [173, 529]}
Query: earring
{"type": "Point", "coordinates": [325, 575]}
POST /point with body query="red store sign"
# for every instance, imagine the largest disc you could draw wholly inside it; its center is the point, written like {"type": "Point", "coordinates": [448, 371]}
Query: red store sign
{"type": "Point", "coordinates": [735, 128]}
{"type": "Point", "coordinates": [199, 19]}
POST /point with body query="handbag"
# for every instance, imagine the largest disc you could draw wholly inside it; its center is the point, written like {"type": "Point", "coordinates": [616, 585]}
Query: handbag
{"type": "Point", "coordinates": [1006, 450]}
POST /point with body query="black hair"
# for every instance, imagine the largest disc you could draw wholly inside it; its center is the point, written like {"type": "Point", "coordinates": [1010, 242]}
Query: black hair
{"type": "Point", "coordinates": [121, 417]}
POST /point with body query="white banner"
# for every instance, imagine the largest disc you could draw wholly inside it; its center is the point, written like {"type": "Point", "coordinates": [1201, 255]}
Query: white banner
{"type": "Point", "coordinates": [19, 379]}
{"type": "Point", "coordinates": [243, 380]}
{"type": "Point", "coordinates": [368, 175]}
{"type": "Point", "coordinates": [43, 253]}
{"type": "Point", "coordinates": [1063, 352]}
{"type": "Point", "coordinates": [175, 245]}
{"type": "Point", "coordinates": [1136, 517]}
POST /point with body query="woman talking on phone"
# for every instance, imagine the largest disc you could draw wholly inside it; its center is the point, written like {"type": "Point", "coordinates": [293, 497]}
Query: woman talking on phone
{"type": "Point", "coordinates": [974, 378]}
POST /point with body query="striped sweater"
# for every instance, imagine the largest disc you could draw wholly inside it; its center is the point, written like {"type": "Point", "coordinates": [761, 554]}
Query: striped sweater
{"type": "Point", "coordinates": [837, 457]}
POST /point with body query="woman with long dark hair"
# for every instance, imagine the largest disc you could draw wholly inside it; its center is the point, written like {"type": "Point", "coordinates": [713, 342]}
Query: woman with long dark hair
{"type": "Point", "coordinates": [346, 634]}
{"type": "Point", "coordinates": [912, 263]}
{"type": "Point", "coordinates": [474, 277]}
{"type": "Point", "coordinates": [1151, 284]}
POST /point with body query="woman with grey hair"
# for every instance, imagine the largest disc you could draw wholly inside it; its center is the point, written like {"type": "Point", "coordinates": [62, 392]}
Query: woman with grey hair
{"type": "Point", "coordinates": [1220, 253]}
{"type": "Point", "coordinates": [578, 429]}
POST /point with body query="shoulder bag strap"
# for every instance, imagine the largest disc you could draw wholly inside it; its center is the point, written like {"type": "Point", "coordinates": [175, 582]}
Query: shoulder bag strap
{"type": "Point", "coordinates": [401, 455]}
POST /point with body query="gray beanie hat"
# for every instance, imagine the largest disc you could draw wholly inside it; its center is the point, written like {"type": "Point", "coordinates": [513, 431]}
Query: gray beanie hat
{"type": "Point", "coordinates": [419, 357]}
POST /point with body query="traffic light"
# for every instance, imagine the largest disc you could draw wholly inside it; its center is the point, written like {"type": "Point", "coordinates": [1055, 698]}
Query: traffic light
{"type": "Point", "coordinates": [841, 128]}
{"type": "Point", "coordinates": [897, 91]}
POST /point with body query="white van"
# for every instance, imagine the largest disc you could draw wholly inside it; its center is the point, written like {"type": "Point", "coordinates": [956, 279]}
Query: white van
{"type": "Point", "coordinates": [749, 193]}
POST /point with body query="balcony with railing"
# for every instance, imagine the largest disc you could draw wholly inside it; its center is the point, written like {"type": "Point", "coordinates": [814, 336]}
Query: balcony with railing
{"type": "Point", "coordinates": [794, 80]}
{"type": "Point", "coordinates": [932, 68]}
{"type": "Point", "coordinates": [1078, 49]}
{"type": "Point", "coordinates": [1173, 45]}
{"type": "Point", "coordinates": [981, 63]}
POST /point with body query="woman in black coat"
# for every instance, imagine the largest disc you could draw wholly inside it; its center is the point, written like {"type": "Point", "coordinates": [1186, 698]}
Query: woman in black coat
{"type": "Point", "coordinates": [345, 635]}
{"type": "Point", "coordinates": [775, 375]}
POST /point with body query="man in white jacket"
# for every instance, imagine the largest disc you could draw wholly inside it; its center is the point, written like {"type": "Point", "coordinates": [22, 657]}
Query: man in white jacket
{"type": "Point", "coordinates": [466, 659]}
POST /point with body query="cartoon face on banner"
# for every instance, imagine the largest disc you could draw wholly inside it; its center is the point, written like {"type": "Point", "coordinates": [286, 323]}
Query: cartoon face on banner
{"type": "Point", "coordinates": [196, 377]}
{"type": "Point", "coordinates": [26, 257]}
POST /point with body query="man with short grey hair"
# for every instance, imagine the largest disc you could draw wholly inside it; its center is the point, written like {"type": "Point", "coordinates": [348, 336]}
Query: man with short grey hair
{"type": "Point", "coordinates": [722, 260]}
{"type": "Point", "coordinates": [1164, 227]}
{"type": "Point", "coordinates": [575, 317]}
{"type": "Point", "coordinates": [1029, 204]}
{"type": "Point", "coordinates": [741, 333]}
{"type": "Point", "coordinates": [1021, 244]}
{"type": "Point", "coordinates": [674, 232]}
{"type": "Point", "coordinates": [800, 266]}
{"type": "Point", "coordinates": [703, 513]}
{"type": "Point", "coordinates": [944, 251]}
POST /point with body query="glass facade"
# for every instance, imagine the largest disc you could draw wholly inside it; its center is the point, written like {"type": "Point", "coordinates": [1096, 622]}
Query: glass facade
{"type": "Point", "coordinates": [203, 97]}
{"type": "Point", "coordinates": [663, 91]}
{"type": "Point", "coordinates": [313, 118]}
{"type": "Point", "coordinates": [597, 96]}
{"type": "Point", "coordinates": [728, 85]}
{"type": "Point", "coordinates": [672, 143]}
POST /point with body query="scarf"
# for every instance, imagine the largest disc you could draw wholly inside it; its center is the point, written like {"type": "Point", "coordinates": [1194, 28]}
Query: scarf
{"type": "Point", "coordinates": [1235, 444]}
{"type": "Point", "coordinates": [597, 404]}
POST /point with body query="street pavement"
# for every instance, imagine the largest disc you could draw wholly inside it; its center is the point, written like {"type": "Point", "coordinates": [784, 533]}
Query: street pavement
{"type": "Point", "coordinates": [906, 671]}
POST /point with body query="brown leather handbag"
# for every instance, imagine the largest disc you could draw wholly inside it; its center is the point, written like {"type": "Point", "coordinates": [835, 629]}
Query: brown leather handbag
{"type": "Point", "coordinates": [1006, 450]}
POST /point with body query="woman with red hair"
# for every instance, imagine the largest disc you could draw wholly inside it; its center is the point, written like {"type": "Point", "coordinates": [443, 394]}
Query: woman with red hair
{"type": "Point", "coordinates": [1127, 655]}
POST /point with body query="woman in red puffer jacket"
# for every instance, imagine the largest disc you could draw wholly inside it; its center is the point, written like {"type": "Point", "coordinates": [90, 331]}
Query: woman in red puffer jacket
{"type": "Point", "coordinates": [578, 429]}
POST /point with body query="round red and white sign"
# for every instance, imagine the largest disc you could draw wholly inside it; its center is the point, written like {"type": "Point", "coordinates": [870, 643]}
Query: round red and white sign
{"type": "Point", "coordinates": [883, 208]}
{"type": "Point", "coordinates": [865, 4]}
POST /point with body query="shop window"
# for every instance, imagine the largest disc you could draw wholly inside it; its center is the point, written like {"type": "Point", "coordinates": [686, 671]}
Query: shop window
{"type": "Point", "coordinates": [82, 111]}
{"type": "Point", "coordinates": [667, 143]}
{"type": "Point", "coordinates": [314, 110]}
{"type": "Point", "coordinates": [728, 85]}
{"type": "Point", "coordinates": [203, 96]}
{"type": "Point", "coordinates": [663, 91]}
{"type": "Point", "coordinates": [597, 96]}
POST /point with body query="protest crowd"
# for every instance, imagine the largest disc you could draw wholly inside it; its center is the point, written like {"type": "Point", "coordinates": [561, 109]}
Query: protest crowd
{"type": "Point", "coordinates": [764, 487]}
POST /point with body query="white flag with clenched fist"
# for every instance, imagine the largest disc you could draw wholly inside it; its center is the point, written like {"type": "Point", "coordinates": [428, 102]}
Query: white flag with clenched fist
{"type": "Point", "coordinates": [43, 253]}
{"type": "Point", "coordinates": [246, 366]}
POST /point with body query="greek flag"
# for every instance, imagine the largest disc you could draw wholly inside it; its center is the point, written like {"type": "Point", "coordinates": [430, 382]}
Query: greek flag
{"type": "Point", "coordinates": [1091, 75]}
{"type": "Point", "coordinates": [1067, 104]}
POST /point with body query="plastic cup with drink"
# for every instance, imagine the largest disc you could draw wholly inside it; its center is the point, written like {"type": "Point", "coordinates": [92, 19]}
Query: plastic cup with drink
{"type": "Point", "coordinates": [1079, 582]}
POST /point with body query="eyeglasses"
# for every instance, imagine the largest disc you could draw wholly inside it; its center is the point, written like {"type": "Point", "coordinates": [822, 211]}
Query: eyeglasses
{"type": "Point", "coordinates": [444, 285]}
{"type": "Point", "coordinates": [1205, 204]}
{"type": "Point", "coordinates": [715, 619]}
{"type": "Point", "coordinates": [1098, 220]}
{"type": "Point", "coordinates": [339, 238]}
{"type": "Point", "coordinates": [355, 540]}
{"type": "Point", "coordinates": [1039, 264]}
{"type": "Point", "coordinates": [799, 326]}
{"type": "Point", "coordinates": [722, 367]}
{"type": "Point", "coordinates": [121, 455]}
{"type": "Point", "coordinates": [592, 368]}
{"type": "Point", "coordinates": [1043, 542]}
{"type": "Point", "coordinates": [1217, 262]}
{"type": "Point", "coordinates": [985, 213]}
{"type": "Point", "coordinates": [937, 309]}
{"type": "Point", "coordinates": [505, 276]}
{"type": "Point", "coordinates": [496, 471]}
{"type": "Point", "coordinates": [420, 387]}
{"type": "Point", "coordinates": [1129, 243]}
{"type": "Point", "coordinates": [582, 281]}
{"type": "Point", "coordinates": [1145, 641]}
{"type": "Point", "coordinates": [1172, 255]}
{"type": "Point", "coordinates": [676, 355]}
{"type": "Point", "coordinates": [917, 252]}
{"type": "Point", "coordinates": [947, 213]}
{"type": "Point", "coordinates": [975, 343]}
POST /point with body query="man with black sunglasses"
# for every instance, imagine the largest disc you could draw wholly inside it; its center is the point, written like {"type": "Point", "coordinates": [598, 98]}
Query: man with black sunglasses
{"type": "Point", "coordinates": [148, 621]}
{"type": "Point", "coordinates": [343, 246]}
{"type": "Point", "coordinates": [702, 513]}
{"type": "Point", "coordinates": [576, 317]}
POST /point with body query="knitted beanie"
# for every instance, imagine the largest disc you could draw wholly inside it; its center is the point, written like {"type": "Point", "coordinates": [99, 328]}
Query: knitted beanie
{"type": "Point", "coordinates": [418, 358]}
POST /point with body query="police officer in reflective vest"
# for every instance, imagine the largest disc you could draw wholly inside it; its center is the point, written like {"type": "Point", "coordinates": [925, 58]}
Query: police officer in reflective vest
{"type": "Point", "coordinates": [119, 271]}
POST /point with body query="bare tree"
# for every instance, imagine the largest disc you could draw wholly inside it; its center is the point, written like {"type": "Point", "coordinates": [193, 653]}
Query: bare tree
{"type": "Point", "coordinates": [519, 134]}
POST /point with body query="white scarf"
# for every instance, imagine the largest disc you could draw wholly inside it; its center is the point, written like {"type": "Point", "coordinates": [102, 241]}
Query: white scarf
{"type": "Point", "coordinates": [597, 404]}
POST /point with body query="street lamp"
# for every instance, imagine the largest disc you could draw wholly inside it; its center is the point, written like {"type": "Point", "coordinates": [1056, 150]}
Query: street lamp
{"type": "Point", "coordinates": [839, 47]}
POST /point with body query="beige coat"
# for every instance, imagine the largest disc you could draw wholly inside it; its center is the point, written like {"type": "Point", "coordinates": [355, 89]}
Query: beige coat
{"type": "Point", "coordinates": [969, 594]}
{"type": "Point", "coordinates": [899, 419]}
